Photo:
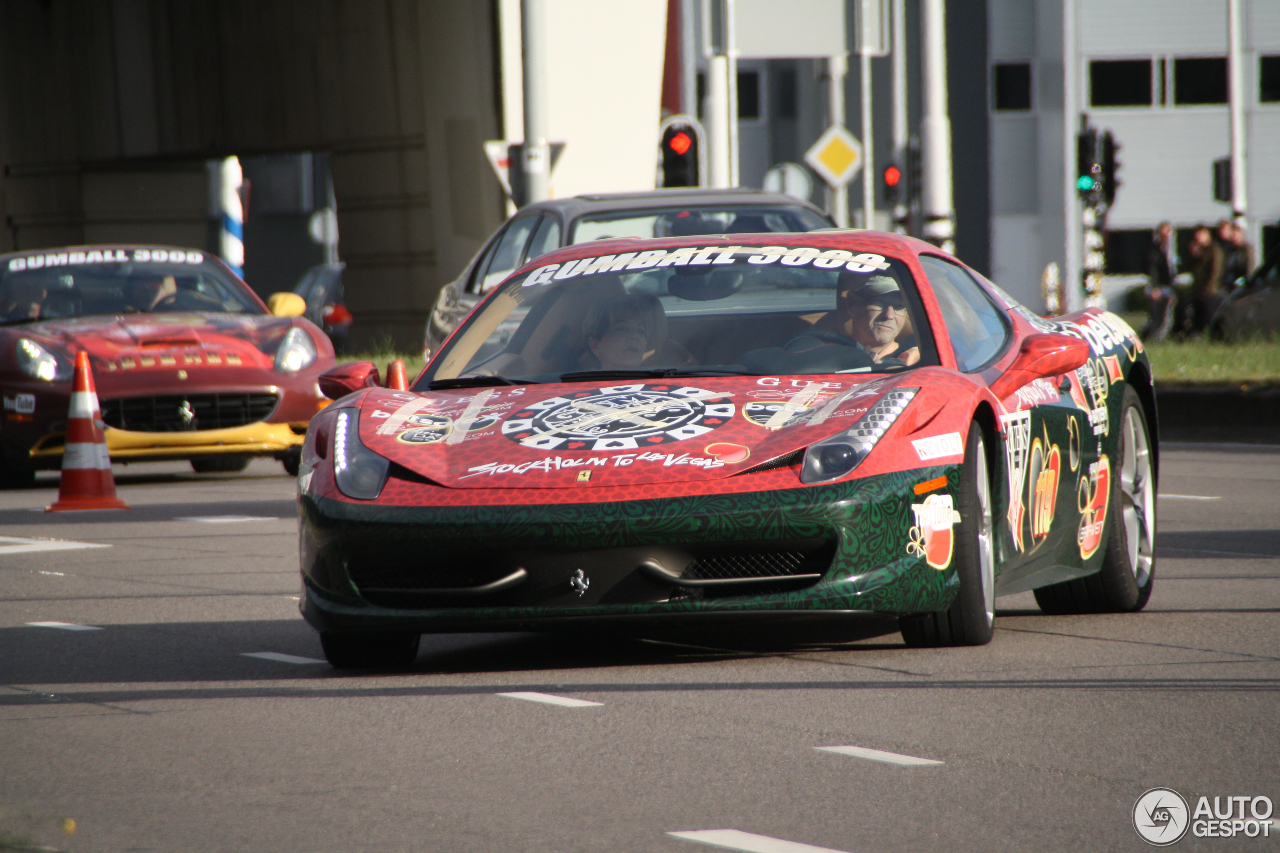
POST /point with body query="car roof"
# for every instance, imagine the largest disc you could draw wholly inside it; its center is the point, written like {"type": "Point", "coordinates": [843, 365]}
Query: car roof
{"type": "Point", "coordinates": [575, 206]}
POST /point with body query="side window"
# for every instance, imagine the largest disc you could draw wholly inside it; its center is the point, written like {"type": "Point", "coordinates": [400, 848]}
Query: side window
{"type": "Point", "coordinates": [508, 253]}
{"type": "Point", "coordinates": [545, 238]}
{"type": "Point", "coordinates": [977, 329]}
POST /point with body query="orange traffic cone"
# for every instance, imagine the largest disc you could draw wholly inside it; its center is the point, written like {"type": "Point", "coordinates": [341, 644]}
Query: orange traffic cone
{"type": "Point", "coordinates": [397, 379]}
{"type": "Point", "coordinates": [86, 468]}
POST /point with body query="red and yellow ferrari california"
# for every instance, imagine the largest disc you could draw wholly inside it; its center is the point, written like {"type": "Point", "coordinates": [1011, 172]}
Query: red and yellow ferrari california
{"type": "Point", "coordinates": [189, 363]}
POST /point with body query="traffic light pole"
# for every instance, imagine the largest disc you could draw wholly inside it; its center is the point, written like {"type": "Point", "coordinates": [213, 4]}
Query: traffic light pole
{"type": "Point", "coordinates": [937, 207]}
{"type": "Point", "coordinates": [899, 23]}
{"type": "Point", "coordinates": [1235, 106]}
{"type": "Point", "coordinates": [837, 68]}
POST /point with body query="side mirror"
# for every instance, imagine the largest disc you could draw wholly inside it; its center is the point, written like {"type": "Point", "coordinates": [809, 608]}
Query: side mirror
{"type": "Point", "coordinates": [349, 378]}
{"type": "Point", "coordinates": [285, 304]}
{"type": "Point", "coordinates": [1041, 355]}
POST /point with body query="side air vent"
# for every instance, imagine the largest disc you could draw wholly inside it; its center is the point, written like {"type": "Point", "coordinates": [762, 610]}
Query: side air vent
{"type": "Point", "coordinates": [780, 462]}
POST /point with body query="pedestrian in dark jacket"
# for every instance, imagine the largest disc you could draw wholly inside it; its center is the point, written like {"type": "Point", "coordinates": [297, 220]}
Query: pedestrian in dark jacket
{"type": "Point", "coordinates": [1205, 293]}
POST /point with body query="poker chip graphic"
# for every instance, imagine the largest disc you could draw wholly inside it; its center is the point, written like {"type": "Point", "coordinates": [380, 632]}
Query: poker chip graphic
{"type": "Point", "coordinates": [621, 417]}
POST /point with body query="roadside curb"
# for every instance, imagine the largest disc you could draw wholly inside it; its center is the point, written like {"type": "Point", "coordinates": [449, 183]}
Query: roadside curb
{"type": "Point", "coordinates": [1233, 414]}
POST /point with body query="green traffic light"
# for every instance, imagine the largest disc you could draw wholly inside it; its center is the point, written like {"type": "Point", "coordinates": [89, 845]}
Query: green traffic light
{"type": "Point", "coordinates": [1084, 183]}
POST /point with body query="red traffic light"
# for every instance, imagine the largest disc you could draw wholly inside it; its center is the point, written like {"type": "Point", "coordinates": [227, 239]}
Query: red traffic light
{"type": "Point", "coordinates": [892, 174]}
{"type": "Point", "coordinates": [680, 142]}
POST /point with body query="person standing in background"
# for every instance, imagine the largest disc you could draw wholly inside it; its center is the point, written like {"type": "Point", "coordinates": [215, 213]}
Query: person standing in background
{"type": "Point", "coordinates": [1161, 266]}
{"type": "Point", "coordinates": [1205, 292]}
{"type": "Point", "coordinates": [1237, 259]}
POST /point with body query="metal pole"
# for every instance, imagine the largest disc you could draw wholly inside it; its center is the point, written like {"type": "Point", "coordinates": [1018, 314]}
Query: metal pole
{"type": "Point", "coordinates": [900, 111]}
{"type": "Point", "coordinates": [688, 61]}
{"type": "Point", "coordinates": [868, 147]}
{"type": "Point", "coordinates": [1072, 222]}
{"type": "Point", "coordinates": [717, 109]}
{"type": "Point", "coordinates": [935, 129]}
{"type": "Point", "coordinates": [231, 231]}
{"type": "Point", "coordinates": [731, 71]}
{"type": "Point", "coordinates": [837, 68]}
{"type": "Point", "coordinates": [537, 155]}
{"type": "Point", "coordinates": [1235, 101]}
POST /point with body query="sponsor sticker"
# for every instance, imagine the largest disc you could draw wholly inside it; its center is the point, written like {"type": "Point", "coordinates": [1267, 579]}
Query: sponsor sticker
{"type": "Point", "coordinates": [933, 536]}
{"type": "Point", "coordinates": [792, 256]}
{"type": "Point", "coordinates": [105, 256]}
{"type": "Point", "coordinates": [23, 404]}
{"type": "Point", "coordinates": [1094, 495]}
{"type": "Point", "coordinates": [938, 446]}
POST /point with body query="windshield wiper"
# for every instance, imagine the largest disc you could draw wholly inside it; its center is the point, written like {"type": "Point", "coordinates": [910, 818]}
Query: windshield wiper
{"type": "Point", "coordinates": [474, 382]}
{"type": "Point", "coordinates": [651, 373]}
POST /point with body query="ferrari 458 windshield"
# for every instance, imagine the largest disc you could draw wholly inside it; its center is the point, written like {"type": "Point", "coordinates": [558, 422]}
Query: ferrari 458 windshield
{"type": "Point", "coordinates": [61, 284]}
{"type": "Point", "coordinates": [693, 311]}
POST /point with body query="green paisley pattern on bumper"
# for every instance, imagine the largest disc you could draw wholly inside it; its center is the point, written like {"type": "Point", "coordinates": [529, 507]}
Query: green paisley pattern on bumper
{"type": "Point", "coordinates": [868, 518]}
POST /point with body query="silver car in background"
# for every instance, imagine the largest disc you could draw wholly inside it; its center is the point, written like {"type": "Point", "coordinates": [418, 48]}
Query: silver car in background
{"type": "Point", "coordinates": [541, 227]}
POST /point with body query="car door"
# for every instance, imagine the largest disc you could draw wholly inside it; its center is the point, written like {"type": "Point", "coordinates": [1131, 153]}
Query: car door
{"type": "Point", "coordinates": [506, 256]}
{"type": "Point", "coordinates": [1042, 452]}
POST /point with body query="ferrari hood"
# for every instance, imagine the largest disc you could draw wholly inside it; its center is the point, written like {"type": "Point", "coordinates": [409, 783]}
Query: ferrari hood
{"type": "Point", "coordinates": [619, 433]}
{"type": "Point", "coordinates": [137, 339]}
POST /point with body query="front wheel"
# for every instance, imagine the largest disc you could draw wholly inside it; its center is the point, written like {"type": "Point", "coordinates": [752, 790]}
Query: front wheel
{"type": "Point", "coordinates": [1129, 562]}
{"type": "Point", "coordinates": [370, 649]}
{"type": "Point", "coordinates": [15, 476]}
{"type": "Point", "coordinates": [970, 621]}
{"type": "Point", "coordinates": [220, 464]}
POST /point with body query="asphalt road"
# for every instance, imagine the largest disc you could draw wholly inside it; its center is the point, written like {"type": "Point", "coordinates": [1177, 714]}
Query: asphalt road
{"type": "Point", "coordinates": [161, 731]}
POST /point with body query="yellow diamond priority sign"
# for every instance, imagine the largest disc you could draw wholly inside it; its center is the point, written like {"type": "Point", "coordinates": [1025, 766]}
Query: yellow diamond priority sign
{"type": "Point", "coordinates": [836, 156]}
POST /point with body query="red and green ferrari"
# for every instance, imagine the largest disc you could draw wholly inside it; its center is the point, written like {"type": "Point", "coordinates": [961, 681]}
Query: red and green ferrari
{"type": "Point", "coordinates": [733, 428]}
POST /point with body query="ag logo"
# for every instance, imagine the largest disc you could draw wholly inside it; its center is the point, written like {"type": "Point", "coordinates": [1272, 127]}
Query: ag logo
{"type": "Point", "coordinates": [775, 414]}
{"type": "Point", "coordinates": [1161, 817]}
{"type": "Point", "coordinates": [621, 417]}
{"type": "Point", "coordinates": [427, 429]}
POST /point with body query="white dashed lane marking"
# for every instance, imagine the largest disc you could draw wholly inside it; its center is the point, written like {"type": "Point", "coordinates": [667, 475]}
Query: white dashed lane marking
{"type": "Point", "coordinates": [64, 626]}
{"type": "Point", "coordinates": [225, 519]}
{"type": "Point", "coordinates": [881, 756]}
{"type": "Point", "coordinates": [281, 657]}
{"type": "Point", "coordinates": [16, 545]}
{"type": "Point", "coordinates": [733, 839]}
{"type": "Point", "coordinates": [1191, 497]}
{"type": "Point", "coordinates": [547, 698]}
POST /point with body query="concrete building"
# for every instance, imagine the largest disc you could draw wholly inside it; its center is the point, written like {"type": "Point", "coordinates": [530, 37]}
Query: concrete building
{"type": "Point", "coordinates": [109, 112]}
{"type": "Point", "coordinates": [1153, 72]}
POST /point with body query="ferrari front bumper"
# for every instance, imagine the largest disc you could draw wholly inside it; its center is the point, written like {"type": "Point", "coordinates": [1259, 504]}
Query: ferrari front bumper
{"type": "Point", "coordinates": [368, 566]}
{"type": "Point", "coordinates": [259, 439]}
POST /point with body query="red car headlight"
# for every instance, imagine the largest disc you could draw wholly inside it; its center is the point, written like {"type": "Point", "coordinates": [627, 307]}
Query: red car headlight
{"type": "Point", "coordinates": [836, 456]}
{"type": "Point", "coordinates": [359, 472]}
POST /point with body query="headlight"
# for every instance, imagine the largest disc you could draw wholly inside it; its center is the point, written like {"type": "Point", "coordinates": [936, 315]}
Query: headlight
{"type": "Point", "coordinates": [39, 363]}
{"type": "Point", "coordinates": [296, 352]}
{"type": "Point", "coordinates": [836, 456]}
{"type": "Point", "coordinates": [359, 471]}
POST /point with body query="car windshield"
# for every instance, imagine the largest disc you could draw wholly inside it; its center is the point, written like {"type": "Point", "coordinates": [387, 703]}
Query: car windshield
{"type": "Point", "coordinates": [62, 284]}
{"type": "Point", "coordinates": [693, 311]}
{"type": "Point", "coordinates": [691, 221]}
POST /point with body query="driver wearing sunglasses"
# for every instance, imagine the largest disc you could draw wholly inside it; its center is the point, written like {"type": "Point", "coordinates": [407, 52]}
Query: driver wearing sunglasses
{"type": "Point", "coordinates": [872, 311]}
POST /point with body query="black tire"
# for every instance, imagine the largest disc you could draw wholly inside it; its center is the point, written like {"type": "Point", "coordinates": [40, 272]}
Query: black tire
{"type": "Point", "coordinates": [291, 462]}
{"type": "Point", "coordinates": [15, 476]}
{"type": "Point", "coordinates": [1128, 572]}
{"type": "Point", "coordinates": [220, 464]}
{"type": "Point", "coordinates": [370, 650]}
{"type": "Point", "coordinates": [970, 620]}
